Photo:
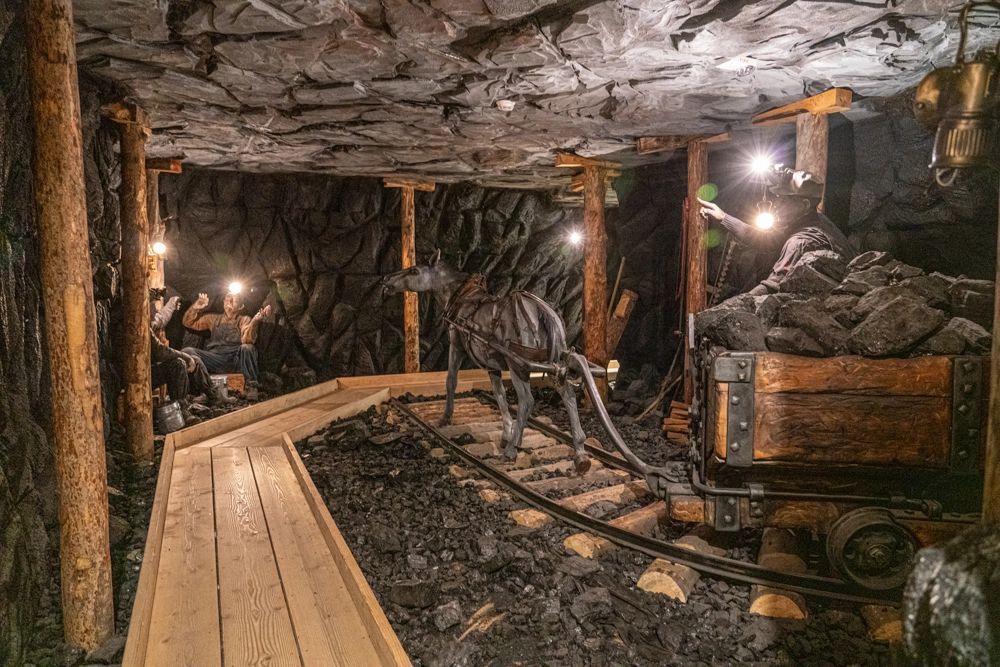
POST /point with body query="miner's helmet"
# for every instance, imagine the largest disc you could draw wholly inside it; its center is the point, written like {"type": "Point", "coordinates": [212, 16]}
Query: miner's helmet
{"type": "Point", "coordinates": [788, 183]}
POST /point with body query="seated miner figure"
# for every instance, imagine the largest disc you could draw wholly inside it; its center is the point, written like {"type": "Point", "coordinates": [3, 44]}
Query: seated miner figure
{"type": "Point", "coordinates": [794, 225]}
{"type": "Point", "coordinates": [230, 347]}
{"type": "Point", "coordinates": [173, 368]}
{"type": "Point", "coordinates": [166, 361]}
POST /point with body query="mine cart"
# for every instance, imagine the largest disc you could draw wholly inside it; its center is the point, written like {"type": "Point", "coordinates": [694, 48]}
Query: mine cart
{"type": "Point", "coordinates": [879, 456]}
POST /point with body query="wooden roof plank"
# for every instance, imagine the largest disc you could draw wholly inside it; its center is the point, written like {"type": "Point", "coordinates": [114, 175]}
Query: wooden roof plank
{"type": "Point", "coordinates": [833, 100]}
{"type": "Point", "coordinates": [425, 186]}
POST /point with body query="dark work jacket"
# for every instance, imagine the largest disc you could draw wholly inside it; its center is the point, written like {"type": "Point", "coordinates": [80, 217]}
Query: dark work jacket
{"type": "Point", "coordinates": [814, 231]}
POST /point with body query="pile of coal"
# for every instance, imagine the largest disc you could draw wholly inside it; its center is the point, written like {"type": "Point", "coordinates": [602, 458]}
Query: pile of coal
{"type": "Point", "coordinates": [874, 306]}
{"type": "Point", "coordinates": [950, 606]}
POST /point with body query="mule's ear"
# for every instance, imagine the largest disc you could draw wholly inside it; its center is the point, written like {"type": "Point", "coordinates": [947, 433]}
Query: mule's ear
{"type": "Point", "coordinates": [436, 258]}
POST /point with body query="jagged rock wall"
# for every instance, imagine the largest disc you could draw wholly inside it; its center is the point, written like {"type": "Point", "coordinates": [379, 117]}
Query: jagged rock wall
{"type": "Point", "coordinates": [24, 450]}
{"type": "Point", "coordinates": [27, 484]}
{"type": "Point", "coordinates": [316, 247]}
{"type": "Point", "coordinates": [896, 205]}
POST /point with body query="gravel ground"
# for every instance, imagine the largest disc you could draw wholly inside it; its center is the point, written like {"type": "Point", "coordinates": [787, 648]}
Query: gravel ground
{"type": "Point", "coordinates": [463, 585]}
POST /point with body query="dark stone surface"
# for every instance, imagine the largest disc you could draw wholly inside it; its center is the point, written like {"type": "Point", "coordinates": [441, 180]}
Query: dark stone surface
{"type": "Point", "coordinates": [790, 340]}
{"type": "Point", "coordinates": [973, 300]}
{"type": "Point", "coordinates": [807, 279]}
{"type": "Point", "coordinates": [945, 341]}
{"type": "Point", "coordinates": [863, 281]}
{"type": "Point", "coordinates": [409, 87]}
{"type": "Point", "coordinates": [895, 328]}
{"type": "Point", "coordinates": [826, 262]}
{"type": "Point", "coordinates": [977, 339]}
{"type": "Point", "coordinates": [811, 317]}
{"type": "Point", "coordinates": [732, 329]}
{"type": "Point", "coordinates": [951, 605]}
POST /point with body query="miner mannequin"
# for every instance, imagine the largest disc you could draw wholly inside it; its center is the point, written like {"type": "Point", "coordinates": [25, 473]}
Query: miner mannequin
{"type": "Point", "coordinates": [798, 228]}
{"type": "Point", "coordinates": [232, 336]}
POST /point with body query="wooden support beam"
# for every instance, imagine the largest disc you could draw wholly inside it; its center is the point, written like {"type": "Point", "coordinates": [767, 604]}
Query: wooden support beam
{"type": "Point", "coordinates": [619, 319]}
{"type": "Point", "coordinates": [673, 142]}
{"type": "Point", "coordinates": [411, 316]}
{"type": "Point", "coordinates": [135, 281]}
{"type": "Point", "coordinates": [829, 101]}
{"type": "Point", "coordinates": [577, 182]}
{"type": "Point", "coordinates": [595, 279]}
{"type": "Point", "coordinates": [672, 579]}
{"type": "Point", "coordinates": [780, 550]}
{"type": "Point", "coordinates": [70, 325]}
{"type": "Point", "coordinates": [991, 464]}
{"type": "Point", "coordinates": [573, 161]}
{"type": "Point", "coordinates": [424, 186]}
{"type": "Point", "coordinates": [169, 165]}
{"type": "Point", "coordinates": [812, 134]}
{"type": "Point", "coordinates": [697, 256]}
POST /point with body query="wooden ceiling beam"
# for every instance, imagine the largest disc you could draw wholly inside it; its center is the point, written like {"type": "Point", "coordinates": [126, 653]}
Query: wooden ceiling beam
{"type": "Point", "coordinates": [164, 164]}
{"type": "Point", "coordinates": [425, 186]}
{"type": "Point", "coordinates": [573, 161]}
{"type": "Point", "coordinates": [673, 142]}
{"type": "Point", "coordinates": [834, 100]}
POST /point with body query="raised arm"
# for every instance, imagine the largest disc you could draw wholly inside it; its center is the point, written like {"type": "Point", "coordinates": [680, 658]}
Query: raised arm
{"type": "Point", "coordinates": [248, 331]}
{"type": "Point", "coordinates": [195, 319]}
{"type": "Point", "coordinates": [740, 230]}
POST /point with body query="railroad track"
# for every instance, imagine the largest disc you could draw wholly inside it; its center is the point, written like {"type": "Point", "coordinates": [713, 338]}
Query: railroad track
{"type": "Point", "coordinates": [543, 477]}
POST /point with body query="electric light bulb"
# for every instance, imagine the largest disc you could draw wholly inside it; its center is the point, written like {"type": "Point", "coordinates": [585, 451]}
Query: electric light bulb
{"type": "Point", "coordinates": [575, 237]}
{"type": "Point", "coordinates": [235, 287]}
{"type": "Point", "coordinates": [764, 220]}
{"type": "Point", "coordinates": [760, 164]}
{"type": "Point", "coordinates": [160, 248]}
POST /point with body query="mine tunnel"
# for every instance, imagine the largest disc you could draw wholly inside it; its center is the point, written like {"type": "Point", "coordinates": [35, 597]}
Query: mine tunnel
{"type": "Point", "coordinates": [499, 332]}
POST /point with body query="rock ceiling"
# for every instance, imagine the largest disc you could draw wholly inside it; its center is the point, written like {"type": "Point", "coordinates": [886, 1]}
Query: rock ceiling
{"type": "Point", "coordinates": [487, 90]}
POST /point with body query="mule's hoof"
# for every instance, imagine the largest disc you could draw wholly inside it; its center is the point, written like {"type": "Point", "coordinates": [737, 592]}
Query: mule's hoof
{"type": "Point", "coordinates": [582, 463]}
{"type": "Point", "coordinates": [510, 454]}
{"type": "Point", "coordinates": [443, 421]}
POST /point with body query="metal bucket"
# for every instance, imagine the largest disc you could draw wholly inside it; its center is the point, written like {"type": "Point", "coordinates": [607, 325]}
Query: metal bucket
{"type": "Point", "coordinates": [219, 382]}
{"type": "Point", "coordinates": [168, 417]}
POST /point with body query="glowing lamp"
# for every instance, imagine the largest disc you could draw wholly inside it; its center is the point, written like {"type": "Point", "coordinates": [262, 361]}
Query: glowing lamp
{"type": "Point", "coordinates": [575, 237]}
{"type": "Point", "coordinates": [760, 164]}
{"type": "Point", "coordinates": [160, 248]}
{"type": "Point", "coordinates": [764, 220]}
{"type": "Point", "coordinates": [235, 287]}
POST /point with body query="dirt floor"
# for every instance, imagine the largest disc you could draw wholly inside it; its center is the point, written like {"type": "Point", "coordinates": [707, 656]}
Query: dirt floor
{"type": "Point", "coordinates": [463, 585]}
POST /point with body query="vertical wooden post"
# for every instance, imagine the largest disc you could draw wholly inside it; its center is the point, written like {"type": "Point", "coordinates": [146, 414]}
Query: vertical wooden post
{"type": "Point", "coordinates": [697, 255]}
{"type": "Point", "coordinates": [411, 315]}
{"type": "Point", "coordinates": [156, 278]}
{"type": "Point", "coordinates": [991, 472]}
{"type": "Point", "coordinates": [812, 134]}
{"type": "Point", "coordinates": [70, 325]}
{"type": "Point", "coordinates": [595, 267]}
{"type": "Point", "coordinates": [134, 131]}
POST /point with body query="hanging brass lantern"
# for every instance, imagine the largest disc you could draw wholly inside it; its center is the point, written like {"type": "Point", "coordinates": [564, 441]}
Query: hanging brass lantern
{"type": "Point", "coordinates": [962, 102]}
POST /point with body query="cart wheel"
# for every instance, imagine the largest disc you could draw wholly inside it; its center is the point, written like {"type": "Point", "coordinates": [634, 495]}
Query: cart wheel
{"type": "Point", "coordinates": [870, 548]}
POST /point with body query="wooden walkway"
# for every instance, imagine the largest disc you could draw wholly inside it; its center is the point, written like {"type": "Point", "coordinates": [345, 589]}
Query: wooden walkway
{"type": "Point", "coordinates": [243, 564]}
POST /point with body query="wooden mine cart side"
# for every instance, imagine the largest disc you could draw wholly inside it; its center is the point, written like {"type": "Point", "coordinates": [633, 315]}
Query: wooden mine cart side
{"type": "Point", "coordinates": [801, 442]}
{"type": "Point", "coordinates": [924, 412]}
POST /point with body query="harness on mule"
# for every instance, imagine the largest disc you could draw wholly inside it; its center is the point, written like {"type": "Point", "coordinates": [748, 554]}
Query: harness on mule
{"type": "Point", "coordinates": [473, 291]}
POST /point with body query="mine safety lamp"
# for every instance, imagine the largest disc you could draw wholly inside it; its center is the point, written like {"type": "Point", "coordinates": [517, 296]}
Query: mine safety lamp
{"type": "Point", "coordinates": [962, 102]}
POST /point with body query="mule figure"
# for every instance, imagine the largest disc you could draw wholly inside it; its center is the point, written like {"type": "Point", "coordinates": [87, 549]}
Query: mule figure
{"type": "Point", "coordinates": [497, 333]}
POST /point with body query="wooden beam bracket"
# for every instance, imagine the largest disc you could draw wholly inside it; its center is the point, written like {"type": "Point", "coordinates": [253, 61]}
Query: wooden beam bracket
{"type": "Point", "coordinates": [573, 161]}
{"type": "Point", "coordinates": [834, 100]}
{"type": "Point", "coordinates": [673, 142]}
{"type": "Point", "coordinates": [424, 186]}
{"type": "Point", "coordinates": [126, 113]}
{"type": "Point", "coordinates": [164, 164]}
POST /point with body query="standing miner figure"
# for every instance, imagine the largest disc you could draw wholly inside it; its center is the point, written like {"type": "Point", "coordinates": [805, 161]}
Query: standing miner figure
{"type": "Point", "coordinates": [798, 227]}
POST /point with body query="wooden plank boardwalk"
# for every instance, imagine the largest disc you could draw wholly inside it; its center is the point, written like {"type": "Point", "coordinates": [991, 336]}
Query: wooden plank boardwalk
{"type": "Point", "coordinates": [243, 564]}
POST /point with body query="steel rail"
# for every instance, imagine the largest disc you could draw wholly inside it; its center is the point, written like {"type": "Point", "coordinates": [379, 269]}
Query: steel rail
{"type": "Point", "coordinates": [717, 566]}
